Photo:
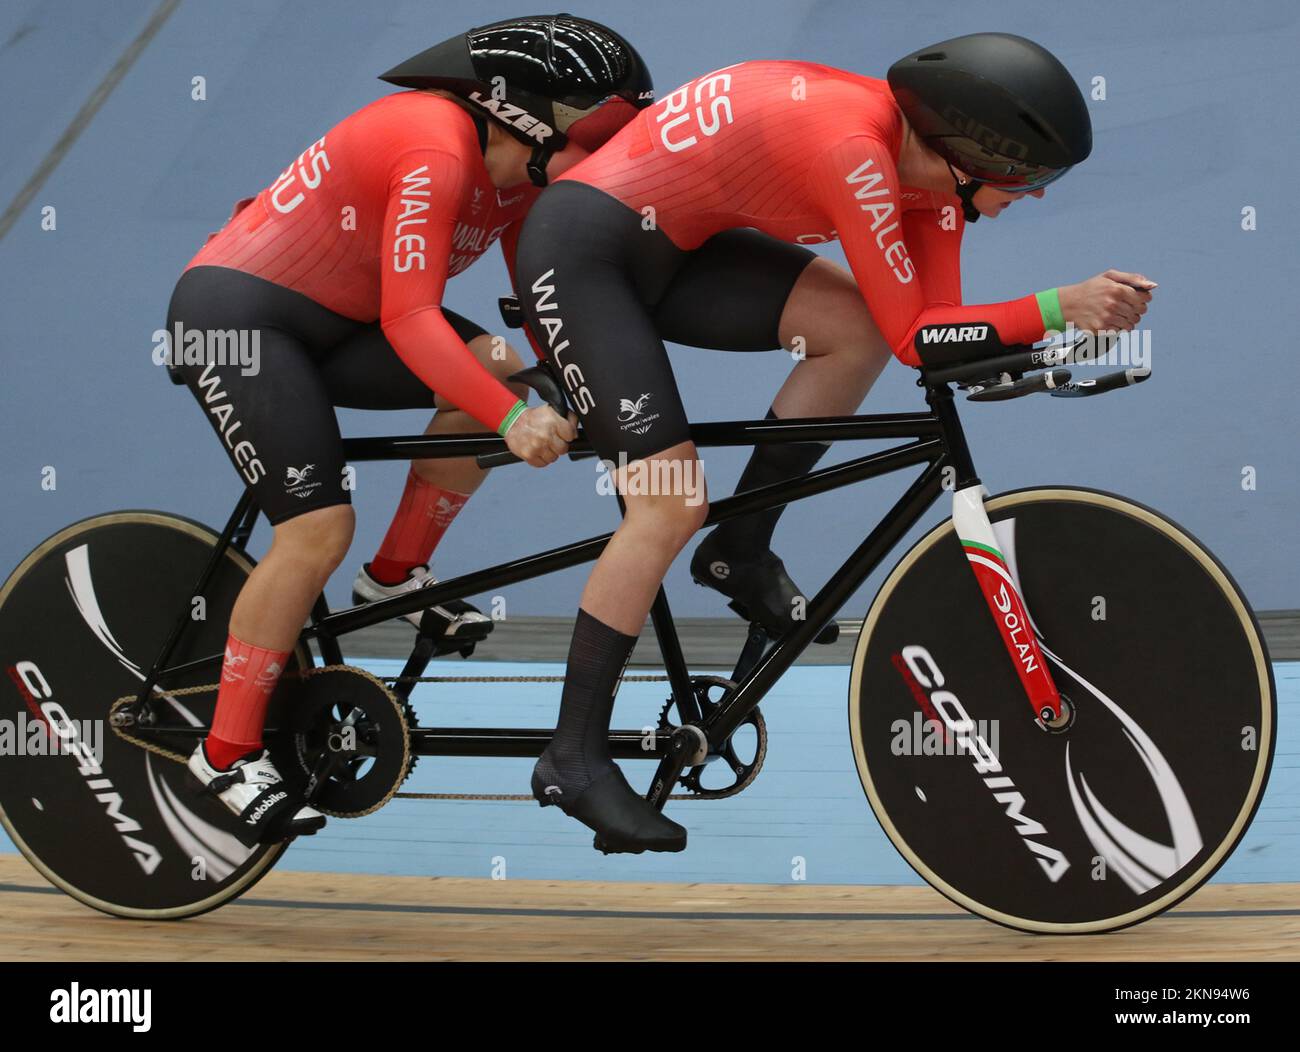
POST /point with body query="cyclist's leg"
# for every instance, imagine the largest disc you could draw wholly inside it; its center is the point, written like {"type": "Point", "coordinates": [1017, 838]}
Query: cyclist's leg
{"type": "Point", "coordinates": [588, 271]}
{"type": "Point", "coordinates": [278, 428]}
{"type": "Point", "coordinates": [585, 296]}
{"type": "Point", "coordinates": [743, 290]}
{"type": "Point", "coordinates": [366, 373]}
{"type": "Point", "coordinates": [844, 351]}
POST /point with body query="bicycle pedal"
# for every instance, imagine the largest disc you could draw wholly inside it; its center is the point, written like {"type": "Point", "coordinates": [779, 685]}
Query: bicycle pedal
{"type": "Point", "coordinates": [828, 635]}
{"type": "Point", "coordinates": [443, 645]}
{"type": "Point", "coordinates": [605, 849]}
{"type": "Point", "coordinates": [740, 610]}
{"type": "Point", "coordinates": [432, 627]}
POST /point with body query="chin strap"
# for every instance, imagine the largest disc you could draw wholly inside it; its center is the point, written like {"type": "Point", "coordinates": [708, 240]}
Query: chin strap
{"type": "Point", "coordinates": [536, 167]}
{"type": "Point", "coordinates": [965, 190]}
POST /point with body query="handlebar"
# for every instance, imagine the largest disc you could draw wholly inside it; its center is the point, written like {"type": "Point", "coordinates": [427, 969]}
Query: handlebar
{"type": "Point", "coordinates": [1002, 377]}
{"type": "Point", "coordinates": [1102, 384]}
{"type": "Point", "coordinates": [1005, 387]}
{"type": "Point", "coordinates": [540, 378]}
{"type": "Point", "coordinates": [994, 379]}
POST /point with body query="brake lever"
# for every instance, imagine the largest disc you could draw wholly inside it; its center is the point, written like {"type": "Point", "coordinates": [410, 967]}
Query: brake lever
{"type": "Point", "coordinates": [1005, 386]}
{"type": "Point", "coordinates": [1102, 384]}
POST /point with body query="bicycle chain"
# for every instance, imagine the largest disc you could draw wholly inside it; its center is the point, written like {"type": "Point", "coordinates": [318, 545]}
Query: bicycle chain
{"type": "Point", "coordinates": [157, 750]}
{"type": "Point", "coordinates": [207, 688]}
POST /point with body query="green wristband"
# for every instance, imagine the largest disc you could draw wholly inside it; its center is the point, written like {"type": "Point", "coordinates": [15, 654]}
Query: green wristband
{"type": "Point", "coordinates": [1049, 306]}
{"type": "Point", "coordinates": [510, 418]}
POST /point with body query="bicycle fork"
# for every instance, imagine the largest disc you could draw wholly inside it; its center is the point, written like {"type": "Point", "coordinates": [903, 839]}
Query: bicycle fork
{"type": "Point", "coordinates": [980, 543]}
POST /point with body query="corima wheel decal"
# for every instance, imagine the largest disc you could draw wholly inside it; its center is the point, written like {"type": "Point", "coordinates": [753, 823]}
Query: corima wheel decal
{"type": "Point", "coordinates": [191, 834]}
{"type": "Point", "coordinates": [221, 852]}
{"type": "Point", "coordinates": [81, 587]}
{"type": "Point", "coordinates": [1141, 862]}
{"type": "Point", "coordinates": [1123, 847]}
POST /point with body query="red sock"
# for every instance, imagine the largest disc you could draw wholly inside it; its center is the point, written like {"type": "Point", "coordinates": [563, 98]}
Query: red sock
{"type": "Point", "coordinates": [422, 518]}
{"type": "Point", "coordinates": [248, 677]}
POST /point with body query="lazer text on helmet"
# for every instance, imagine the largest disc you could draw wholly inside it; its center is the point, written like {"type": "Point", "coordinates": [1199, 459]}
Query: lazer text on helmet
{"type": "Point", "coordinates": [515, 116]}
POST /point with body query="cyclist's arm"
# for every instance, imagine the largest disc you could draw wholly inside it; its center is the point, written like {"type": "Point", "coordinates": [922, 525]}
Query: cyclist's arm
{"type": "Point", "coordinates": [935, 249]}
{"type": "Point", "coordinates": [425, 189]}
{"type": "Point", "coordinates": [856, 185]}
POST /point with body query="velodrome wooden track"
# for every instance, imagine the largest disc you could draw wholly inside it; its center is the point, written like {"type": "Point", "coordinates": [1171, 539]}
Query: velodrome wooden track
{"type": "Point", "coordinates": [314, 916]}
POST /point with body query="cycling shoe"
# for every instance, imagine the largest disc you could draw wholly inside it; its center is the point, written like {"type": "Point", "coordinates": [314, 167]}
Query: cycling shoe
{"type": "Point", "coordinates": [622, 819]}
{"type": "Point", "coordinates": [758, 586]}
{"type": "Point", "coordinates": [252, 789]}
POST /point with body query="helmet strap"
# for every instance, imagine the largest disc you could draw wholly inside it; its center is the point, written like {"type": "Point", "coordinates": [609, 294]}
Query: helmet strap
{"type": "Point", "coordinates": [537, 162]}
{"type": "Point", "coordinates": [480, 126]}
{"type": "Point", "coordinates": [965, 190]}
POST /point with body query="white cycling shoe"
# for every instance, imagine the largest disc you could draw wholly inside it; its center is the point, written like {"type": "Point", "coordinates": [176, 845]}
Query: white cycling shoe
{"type": "Point", "coordinates": [252, 789]}
{"type": "Point", "coordinates": [461, 618]}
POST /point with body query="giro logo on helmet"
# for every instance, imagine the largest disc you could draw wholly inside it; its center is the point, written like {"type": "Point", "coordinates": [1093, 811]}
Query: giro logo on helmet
{"type": "Point", "coordinates": [985, 136]}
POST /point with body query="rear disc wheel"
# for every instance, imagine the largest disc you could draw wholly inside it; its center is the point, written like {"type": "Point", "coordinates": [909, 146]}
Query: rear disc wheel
{"type": "Point", "coordinates": [114, 825]}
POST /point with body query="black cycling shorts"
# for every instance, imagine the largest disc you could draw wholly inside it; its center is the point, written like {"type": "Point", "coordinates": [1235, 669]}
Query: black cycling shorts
{"type": "Point", "coordinates": [602, 294]}
{"type": "Point", "coordinates": [277, 424]}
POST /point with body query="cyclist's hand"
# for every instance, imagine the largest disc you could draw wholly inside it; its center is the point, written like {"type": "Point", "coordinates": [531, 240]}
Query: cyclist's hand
{"type": "Point", "coordinates": [1113, 301]}
{"type": "Point", "coordinates": [540, 435]}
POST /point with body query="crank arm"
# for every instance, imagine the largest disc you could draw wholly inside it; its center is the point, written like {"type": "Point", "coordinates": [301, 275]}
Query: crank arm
{"type": "Point", "coordinates": [688, 747]}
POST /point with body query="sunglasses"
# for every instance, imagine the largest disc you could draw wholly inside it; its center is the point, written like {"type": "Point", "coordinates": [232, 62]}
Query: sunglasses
{"type": "Point", "coordinates": [1017, 186]}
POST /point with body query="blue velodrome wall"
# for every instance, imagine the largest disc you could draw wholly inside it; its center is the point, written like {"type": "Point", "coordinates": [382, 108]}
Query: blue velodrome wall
{"type": "Point", "coordinates": [1197, 125]}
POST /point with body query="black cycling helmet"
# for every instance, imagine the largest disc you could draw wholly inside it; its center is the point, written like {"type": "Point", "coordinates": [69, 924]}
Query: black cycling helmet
{"type": "Point", "coordinates": [547, 79]}
{"type": "Point", "coordinates": [998, 107]}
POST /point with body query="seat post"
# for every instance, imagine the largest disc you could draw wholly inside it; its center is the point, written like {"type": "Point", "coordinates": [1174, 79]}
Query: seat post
{"type": "Point", "coordinates": [940, 400]}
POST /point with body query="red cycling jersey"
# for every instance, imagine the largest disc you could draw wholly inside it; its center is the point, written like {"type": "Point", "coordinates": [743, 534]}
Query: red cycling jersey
{"type": "Point", "coordinates": [372, 219]}
{"type": "Point", "coordinates": [807, 154]}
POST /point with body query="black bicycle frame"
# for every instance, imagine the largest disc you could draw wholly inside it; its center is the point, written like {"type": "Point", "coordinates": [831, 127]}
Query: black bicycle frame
{"type": "Point", "coordinates": [938, 443]}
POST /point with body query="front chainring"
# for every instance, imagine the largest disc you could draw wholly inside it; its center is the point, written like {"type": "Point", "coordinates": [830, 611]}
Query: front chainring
{"type": "Point", "coordinates": [743, 773]}
{"type": "Point", "coordinates": [350, 740]}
